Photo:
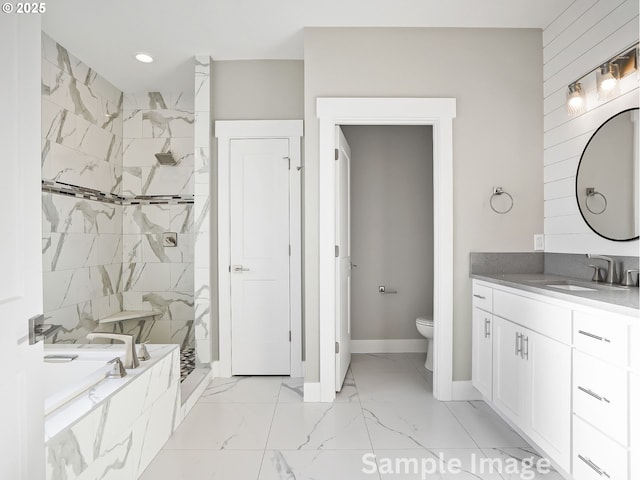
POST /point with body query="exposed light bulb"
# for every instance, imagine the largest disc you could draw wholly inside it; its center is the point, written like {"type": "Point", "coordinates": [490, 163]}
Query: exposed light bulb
{"type": "Point", "coordinates": [575, 99]}
{"type": "Point", "coordinates": [607, 80]}
{"type": "Point", "coordinates": [575, 102]}
{"type": "Point", "coordinates": [608, 83]}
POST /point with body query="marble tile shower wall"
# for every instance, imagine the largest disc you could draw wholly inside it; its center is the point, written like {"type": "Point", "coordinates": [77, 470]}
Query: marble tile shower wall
{"type": "Point", "coordinates": [155, 277]}
{"type": "Point", "coordinates": [82, 239]}
{"type": "Point", "coordinates": [202, 211]}
{"type": "Point", "coordinates": [102, 257]}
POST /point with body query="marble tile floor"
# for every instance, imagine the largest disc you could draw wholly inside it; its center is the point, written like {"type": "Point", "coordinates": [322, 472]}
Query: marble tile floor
{"type": "Point", "coordinates": [258, 428]}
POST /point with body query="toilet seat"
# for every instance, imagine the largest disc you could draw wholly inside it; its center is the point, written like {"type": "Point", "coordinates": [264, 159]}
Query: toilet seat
{"type": "Point", "coordinates": [428, 322]}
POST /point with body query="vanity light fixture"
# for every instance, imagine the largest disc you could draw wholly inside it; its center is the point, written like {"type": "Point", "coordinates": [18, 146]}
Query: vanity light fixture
{"type": "Point", "coordinates": [144, 57]}
{"type": "Point", "coordinates": [608, 76]}
{"type": "Point", "coordinates": [575, 99]}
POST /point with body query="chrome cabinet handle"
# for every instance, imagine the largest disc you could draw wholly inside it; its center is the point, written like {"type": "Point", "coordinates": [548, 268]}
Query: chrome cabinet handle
{"type": "Point", "coordinates": [479, 296]}
{"type": "Point", "coordinates": [518, 343]}
{"type": "Point", "coordinates": [593, 394]}
{"type": "Point", "coordinates": [593, 466]}
{"type": "Point", "coordinates": [240, 268]}
{"type": "Point", "coordinates": [525, 347]}
{"type": "Point", "coordinates": [595, 337]}
{"type": "Point", "coordinates": [487, 328]}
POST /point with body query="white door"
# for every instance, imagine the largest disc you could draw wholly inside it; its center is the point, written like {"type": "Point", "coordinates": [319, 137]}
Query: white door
{"type": "Point", "coordinates": [21, 401]}
{"type": "Point", "coordinates": [260, 316]}
{"type": "Point", "coordinates": [343, 257]}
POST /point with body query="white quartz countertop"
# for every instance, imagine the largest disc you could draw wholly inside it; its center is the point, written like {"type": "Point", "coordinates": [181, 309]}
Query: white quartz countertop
{"type": "Point", "coordinates": [623, 300]}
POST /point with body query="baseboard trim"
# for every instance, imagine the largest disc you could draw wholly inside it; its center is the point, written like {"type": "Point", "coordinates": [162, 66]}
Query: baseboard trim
{"type": "Point", "coordinates": [409, 345]}
{"type": "Point", "coordinates": [464, 390]}
{"type": "Point", "coordinates": [311, 391]}
{"type": "Point", "coordinates": [215, 369]}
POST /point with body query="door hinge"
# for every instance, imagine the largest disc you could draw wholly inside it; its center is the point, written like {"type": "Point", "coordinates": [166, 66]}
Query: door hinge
{"type": "Point", "coordinates": [229, 268]}
{"type": "Point", "coordinates": [337, 251]}
{"type": "Point", "coordinates": [337, 154]}
{"type": "Point", "coordinates": [337, 347]}
{"type": "Point", "coordinates": [289, 250]}
{"type": "Point", "coordinates": [288, 159]}
{"type": "Point", "coordinates": [289, 335]}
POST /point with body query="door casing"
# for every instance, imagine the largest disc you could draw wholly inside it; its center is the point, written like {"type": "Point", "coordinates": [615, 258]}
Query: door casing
{"type": "Point", "coordinates": [438, 112]}
{"type": "Point", "coordinates": [225, 131]}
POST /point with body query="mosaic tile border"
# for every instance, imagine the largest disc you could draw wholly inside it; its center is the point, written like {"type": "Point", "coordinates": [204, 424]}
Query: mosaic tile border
{"type": "Point", "coordinates": [105, 197]}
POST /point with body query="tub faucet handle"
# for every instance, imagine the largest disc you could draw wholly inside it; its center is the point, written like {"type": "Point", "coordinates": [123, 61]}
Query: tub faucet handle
{"type": "Point", "coordinates": [143, 353]}
{"type": "Point", "coordinates": [117, 371]}
{"type": "Point", "coordinates": [130, 357]}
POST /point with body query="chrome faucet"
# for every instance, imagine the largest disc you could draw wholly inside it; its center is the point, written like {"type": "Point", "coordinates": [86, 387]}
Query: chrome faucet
{"type": "Point", "coordinates": [130, 356]}
{"type": "Point", "coordinates": [611, 267]}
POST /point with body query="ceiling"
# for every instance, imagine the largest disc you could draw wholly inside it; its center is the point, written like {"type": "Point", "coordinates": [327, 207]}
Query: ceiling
{"type": "Point", "coordinates": [107, 34]}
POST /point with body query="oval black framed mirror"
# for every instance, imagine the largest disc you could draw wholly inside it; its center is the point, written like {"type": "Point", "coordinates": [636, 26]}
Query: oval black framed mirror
{"type": "Point", "coordinates": [607, 178]}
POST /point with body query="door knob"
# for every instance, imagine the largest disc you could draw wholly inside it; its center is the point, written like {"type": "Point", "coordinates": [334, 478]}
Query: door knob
{"type": "Point", "coordinates": [240, 268]}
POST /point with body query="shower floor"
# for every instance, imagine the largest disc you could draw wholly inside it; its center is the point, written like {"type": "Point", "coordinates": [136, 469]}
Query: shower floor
{"type": "Point", "coordinates": [187, 362]}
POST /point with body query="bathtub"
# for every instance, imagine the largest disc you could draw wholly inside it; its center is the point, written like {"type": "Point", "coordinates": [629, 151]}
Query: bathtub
{"type": "Point", "coordinates": [65, 380]}
{"type": "Point", "coordinates": [95, 424]}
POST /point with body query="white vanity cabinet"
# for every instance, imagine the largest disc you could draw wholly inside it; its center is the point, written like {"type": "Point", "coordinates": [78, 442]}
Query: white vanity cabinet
{"type": "Point", "coordinates": [634, 423]}
{"type": "Point", "coordinates": [530, 358]}
{"type": "Point", "coordinates": [566, 375]}
{"type": "Point", "coordinates": [601, 395]}
{"type": "Point", "coordinates": [634, 402]}
{"type": "Point", "coordinates": [481, 348]}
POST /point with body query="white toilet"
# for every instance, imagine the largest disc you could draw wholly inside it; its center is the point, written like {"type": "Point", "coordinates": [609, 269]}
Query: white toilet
{"type": "Point", "coordinates": [425, 327]}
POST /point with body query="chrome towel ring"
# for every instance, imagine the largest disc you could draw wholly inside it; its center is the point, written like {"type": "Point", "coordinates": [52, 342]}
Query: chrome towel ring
{"type": "Point", "coordinates": [498, 192]}
{"type": "Point", "coordinates": [591, 193]}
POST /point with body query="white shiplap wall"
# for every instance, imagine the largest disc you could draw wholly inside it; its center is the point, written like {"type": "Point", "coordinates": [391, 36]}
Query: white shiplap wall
{"type": "Point", "coordinates": [586, 34]}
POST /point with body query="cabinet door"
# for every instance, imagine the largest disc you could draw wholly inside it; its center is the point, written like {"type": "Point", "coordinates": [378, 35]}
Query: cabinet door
{"type": "Point", "coordinates": [482, 351]}
{"type": "Point", "coordinates": [634, 424]}
{"type": "Point", "coordinates": [549, 393]}
{"type": "Point", "coordinates": [508, 370]}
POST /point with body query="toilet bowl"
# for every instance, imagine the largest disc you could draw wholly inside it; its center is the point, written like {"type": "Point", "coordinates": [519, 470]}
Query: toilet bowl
{"type": "Point", "coordinates": [425, 327]}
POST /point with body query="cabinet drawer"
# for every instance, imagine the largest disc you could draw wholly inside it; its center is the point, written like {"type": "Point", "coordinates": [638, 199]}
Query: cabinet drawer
{"type": "Point", "coordinates": [600, 395]}
{"type": "Point", "coordinates": [595, 456]}
{"type": "Point", "coordinates": [482, 297]}
{"type": "Point", "coordinates": [541, 317]}
{"type": "Point", "coordinates": [602, 336]}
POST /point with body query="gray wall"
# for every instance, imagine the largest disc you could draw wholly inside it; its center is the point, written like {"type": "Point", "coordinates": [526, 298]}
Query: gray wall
{"type": "Point", "coordinates": [258, 90]}
{"type": "Point", "coordinates": [391, 229]}
{"type": "Point", "coordinates": [249, 90]}
{"type": "Point", "coordinates": [496, 77]}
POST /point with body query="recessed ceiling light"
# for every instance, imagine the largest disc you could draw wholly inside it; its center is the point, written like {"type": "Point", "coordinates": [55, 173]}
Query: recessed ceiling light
{"type": "Point", "coordinates": [144, 57]}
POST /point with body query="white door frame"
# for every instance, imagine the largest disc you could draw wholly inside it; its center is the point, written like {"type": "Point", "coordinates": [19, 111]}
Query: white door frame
{"type": "Point", "coordinates": [225, 131]}
{"type": "Point", "coordinates": [438, 112]}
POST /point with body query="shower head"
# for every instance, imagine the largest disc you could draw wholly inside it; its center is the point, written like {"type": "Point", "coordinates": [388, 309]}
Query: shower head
{"type": "Point", "coordinates": [166, 158]}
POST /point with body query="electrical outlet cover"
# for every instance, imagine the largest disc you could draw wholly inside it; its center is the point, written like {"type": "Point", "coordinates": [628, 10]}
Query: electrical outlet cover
{"type": "Point", "coordinates": [538, 242]}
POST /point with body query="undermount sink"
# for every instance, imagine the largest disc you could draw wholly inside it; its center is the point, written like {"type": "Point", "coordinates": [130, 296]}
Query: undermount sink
{"type": "Point", "coordinates": [571, 286]}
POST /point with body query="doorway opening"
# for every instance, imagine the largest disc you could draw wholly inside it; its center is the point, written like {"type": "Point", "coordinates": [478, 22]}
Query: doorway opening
{"type": "Point", "coordinates": [439, 114]}
{"type": "Point", "coordinates": [390, 225]}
